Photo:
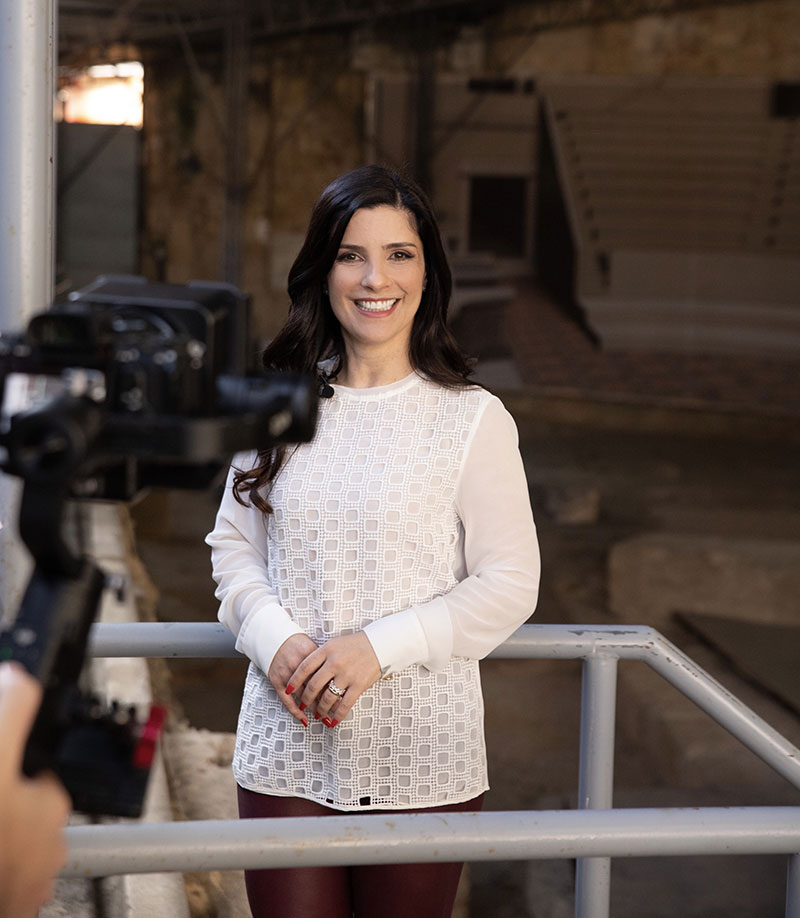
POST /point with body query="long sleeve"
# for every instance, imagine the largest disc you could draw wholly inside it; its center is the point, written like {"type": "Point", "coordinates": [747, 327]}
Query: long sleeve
{"type": "Point", "coordinates": [498, 586]}
{"type": "Point", "coordinates": [249, 605]}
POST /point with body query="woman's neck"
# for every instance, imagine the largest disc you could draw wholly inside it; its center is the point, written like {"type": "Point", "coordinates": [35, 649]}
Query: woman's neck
{"type": "Point", "coordinates": [363, 373]}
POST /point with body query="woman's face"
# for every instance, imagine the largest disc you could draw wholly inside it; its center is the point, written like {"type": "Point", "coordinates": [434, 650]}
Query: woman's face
{"type": "Point", "coordinates": [376, 282]}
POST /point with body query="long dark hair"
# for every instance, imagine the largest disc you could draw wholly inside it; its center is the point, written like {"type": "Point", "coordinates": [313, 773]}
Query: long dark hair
{"type": "Point", "coordinates": [312, 333]}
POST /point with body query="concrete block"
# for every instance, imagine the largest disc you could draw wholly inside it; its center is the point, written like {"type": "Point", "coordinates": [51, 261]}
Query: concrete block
{"type": "Point", "coordinates": [202, 787]}
{"type": "Point", "coordinates": [652, 576]}
{"type": "Point", "coordinates": [72, 898]}
{"type": "Point", "coordinates": [135, 895]}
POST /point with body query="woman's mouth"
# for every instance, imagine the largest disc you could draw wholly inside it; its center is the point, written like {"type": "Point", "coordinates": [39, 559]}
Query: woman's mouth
{"type": "Point", "coordinates": [376, 306]}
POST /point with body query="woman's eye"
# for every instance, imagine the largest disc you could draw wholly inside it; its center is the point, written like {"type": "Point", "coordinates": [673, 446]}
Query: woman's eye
{"type": "Point", "coordinates": [346, 257]}
{"type": "Point", "coordinates": [400, 255]}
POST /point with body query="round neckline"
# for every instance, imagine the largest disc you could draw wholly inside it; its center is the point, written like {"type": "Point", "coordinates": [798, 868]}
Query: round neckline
{"type": "Point", "coordinates": [375, 390]}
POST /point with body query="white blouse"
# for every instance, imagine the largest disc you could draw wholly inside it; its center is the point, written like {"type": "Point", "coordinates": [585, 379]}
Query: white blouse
{"type": "Point", "coordinates": [407, 517]}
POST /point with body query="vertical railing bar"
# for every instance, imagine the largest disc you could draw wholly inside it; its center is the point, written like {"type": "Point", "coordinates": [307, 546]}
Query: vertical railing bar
{"type": "Point", "coordinates": [793, 886]}
{"type": "Point", "coordinates": [596, 776]}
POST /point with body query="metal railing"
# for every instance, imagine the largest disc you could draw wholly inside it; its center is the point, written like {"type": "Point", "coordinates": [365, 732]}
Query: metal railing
{"type": "Point", "coordinates": [592, 834]}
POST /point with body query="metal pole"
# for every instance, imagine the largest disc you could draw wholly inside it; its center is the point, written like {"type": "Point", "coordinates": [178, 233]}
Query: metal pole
{"type": "Point", "coordinates": [27, 156]}
{"type": "Point", "coordinates": [162, 639]}
{"type": "Point", "coordinates": [126, 848]}
{"type": "Point", "coordinates": [424, 101]}
{"type": "Point", "coordinates": [237, 68]}
{"type": "Point", "coordinates": [726, 709]}
{"type": "Point", "coordinates": [596, 777]}
{"type": "Point", "coordinates": [793, 887]}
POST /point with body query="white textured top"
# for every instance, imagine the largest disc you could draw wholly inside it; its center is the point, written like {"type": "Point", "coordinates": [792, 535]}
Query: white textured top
{"type": "Point", "coordinates": [407, 517]}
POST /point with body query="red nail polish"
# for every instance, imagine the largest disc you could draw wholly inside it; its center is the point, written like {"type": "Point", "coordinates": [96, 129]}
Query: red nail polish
{"type": "Point", "coordinates": [334, 722]}
{"type": "Point", "coordinates": [302, 706]}
{"type": "Point", "coordinates": [328, 722]}
{"type": "Point", "coordinates": [304, 722]}
{"type": "Point", "coordinates": [289, 689]}
{"type": "Point", "coordinates": [316, 717]}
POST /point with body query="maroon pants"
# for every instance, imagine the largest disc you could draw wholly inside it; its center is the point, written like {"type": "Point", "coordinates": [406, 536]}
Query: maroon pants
{"type": "Point", "coordinates": [373, 891]}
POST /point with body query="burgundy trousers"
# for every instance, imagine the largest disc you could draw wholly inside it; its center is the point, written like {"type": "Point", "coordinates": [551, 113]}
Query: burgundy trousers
{"type": "Point", "coordinates": [371, 891]}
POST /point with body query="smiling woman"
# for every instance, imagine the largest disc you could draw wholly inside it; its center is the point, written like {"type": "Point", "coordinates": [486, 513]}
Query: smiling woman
{"type": "Point", "coordinates": [375, 288]}
{"type": "Point", "coordinates": [364, 574]}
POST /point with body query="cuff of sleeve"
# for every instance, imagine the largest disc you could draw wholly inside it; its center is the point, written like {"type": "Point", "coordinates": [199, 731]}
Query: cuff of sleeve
{"type": "Point", "coordinates": [398, 641]}
{"type": "Point", "coordinates": [261, 636]}
{"type": "Point", "coordinates": [434, 617]}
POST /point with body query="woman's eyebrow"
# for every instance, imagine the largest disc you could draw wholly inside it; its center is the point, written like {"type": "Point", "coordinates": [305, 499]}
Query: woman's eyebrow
{"type": "Point", "coordinates": [389, 245]}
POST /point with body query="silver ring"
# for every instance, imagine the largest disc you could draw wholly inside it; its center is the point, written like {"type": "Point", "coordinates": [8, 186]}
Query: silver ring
{"type": "Point", "coordinates": [333, 687]}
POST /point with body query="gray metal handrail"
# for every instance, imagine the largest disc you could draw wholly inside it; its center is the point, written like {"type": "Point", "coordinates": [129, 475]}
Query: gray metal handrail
{"type": "Point", "coordinates": [593, 834]}
{"type": "Point", "coordinates": [228, 844]}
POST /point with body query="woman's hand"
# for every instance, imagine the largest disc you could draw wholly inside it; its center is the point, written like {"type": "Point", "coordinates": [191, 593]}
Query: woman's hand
{"type": "Point", "coordinates": [33, 811]}
{"type": "Point", "coordinates": [289, 656]}
{"type": "Point", "coordinates": [350, 662]}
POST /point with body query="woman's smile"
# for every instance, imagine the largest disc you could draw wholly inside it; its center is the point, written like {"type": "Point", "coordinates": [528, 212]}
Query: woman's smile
{"type": "Point", "coordinates": [377, 307]}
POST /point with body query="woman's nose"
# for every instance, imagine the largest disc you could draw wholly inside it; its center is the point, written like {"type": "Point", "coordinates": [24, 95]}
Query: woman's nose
{"type": "Point", "coordinates": [374, 276]}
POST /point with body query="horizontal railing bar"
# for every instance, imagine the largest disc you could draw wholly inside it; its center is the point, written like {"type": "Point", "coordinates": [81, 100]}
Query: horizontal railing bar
{"type": "Point", "coordinates": [107, 850]}
{"type": "Point", "coordinates": [212, 639]}
{"type": "Point", "coordinates": [161, 639]}
{"type": "Point", "coordinates": [573, 642]}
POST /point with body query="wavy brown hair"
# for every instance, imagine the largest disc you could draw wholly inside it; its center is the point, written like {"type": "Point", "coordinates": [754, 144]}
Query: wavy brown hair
{"type": "Point", "coordinates": [312, 333]}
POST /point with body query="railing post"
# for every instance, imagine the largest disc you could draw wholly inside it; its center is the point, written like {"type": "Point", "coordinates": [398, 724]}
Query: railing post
{"type": "Point", "coordinates": [596, 777]}
{"type": "Point", "coordinates": [27, 262]}
{"type": "Point", "coordinates": [793, 887]}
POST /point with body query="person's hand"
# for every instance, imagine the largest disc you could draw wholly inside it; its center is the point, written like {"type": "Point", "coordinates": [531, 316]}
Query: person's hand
{"type": "Point", "coordinates": [350, 662]}
{"type": "Point", "coordinates": [33, 811]}
{"type": "Point", "coordinates": [290, 654]}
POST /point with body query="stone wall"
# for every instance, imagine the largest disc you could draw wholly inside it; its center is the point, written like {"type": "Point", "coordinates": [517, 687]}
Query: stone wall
{"type": "Point", "coordinates": [309, 110]}
{"type": "Point", "coordinates": [755, 38]}
{"type": "Point", "coordinates": [304, 127]}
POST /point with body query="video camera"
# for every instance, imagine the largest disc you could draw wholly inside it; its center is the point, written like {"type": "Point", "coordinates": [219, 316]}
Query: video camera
{"type": "Point", "coordinates": [127, 385]}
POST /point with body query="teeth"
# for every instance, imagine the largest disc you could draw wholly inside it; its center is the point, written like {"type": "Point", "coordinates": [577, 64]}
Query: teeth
{"type": "Point", "coordinates": [375, 305]}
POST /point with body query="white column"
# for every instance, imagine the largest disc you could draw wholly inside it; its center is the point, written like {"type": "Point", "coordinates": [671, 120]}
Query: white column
{"type": "Point", "coordinates": [27, 260]}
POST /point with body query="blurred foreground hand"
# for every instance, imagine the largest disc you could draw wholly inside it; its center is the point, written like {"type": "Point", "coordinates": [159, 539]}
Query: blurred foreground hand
{"type": "Point", "coordinates": [33, 811]}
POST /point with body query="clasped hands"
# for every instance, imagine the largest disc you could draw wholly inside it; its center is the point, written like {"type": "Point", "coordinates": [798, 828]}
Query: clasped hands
{"type": "Point", "coordinates": [301, 671]}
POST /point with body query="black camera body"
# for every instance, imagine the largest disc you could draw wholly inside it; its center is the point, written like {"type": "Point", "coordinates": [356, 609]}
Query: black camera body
{"type": "Point", "coordinates": [155, 376]}
{"type": "Point", "coordinates": [125, 386]}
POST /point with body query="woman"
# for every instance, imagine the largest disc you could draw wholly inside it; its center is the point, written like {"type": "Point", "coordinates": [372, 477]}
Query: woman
{"type": "Point", "coordinates": [365, 573]}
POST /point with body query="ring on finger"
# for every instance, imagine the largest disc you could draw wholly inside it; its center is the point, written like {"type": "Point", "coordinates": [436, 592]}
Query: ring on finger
{"type": "Point", "coordinates": [334, 689]}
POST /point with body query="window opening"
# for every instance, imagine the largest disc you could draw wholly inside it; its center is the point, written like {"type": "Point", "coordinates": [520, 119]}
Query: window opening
{"type": "Point", "coordinates": [101, 94]}
{"type": "Point", "coordinates": [497, 218]}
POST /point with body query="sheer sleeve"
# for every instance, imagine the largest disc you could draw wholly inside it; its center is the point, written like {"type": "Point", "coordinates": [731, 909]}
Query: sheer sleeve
{"type": "Point", "coordinates": [499, 577]}
{"type": "Point", "coordinates": [249, 605]}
